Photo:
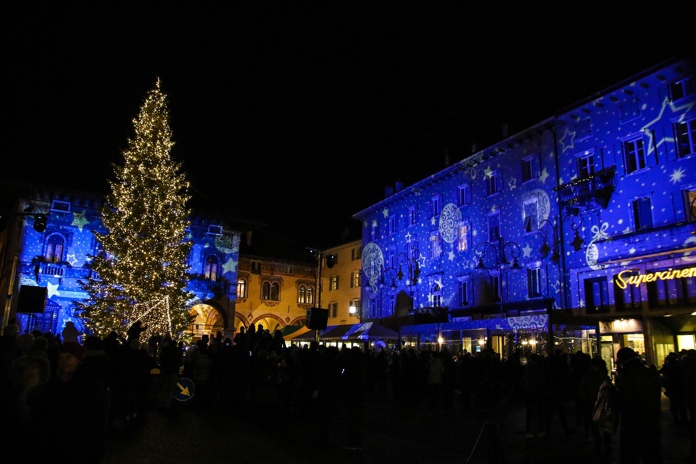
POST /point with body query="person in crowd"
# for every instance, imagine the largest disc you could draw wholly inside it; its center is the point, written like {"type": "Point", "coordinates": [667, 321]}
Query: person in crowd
{"type": "Point", "coordinates": [170, 362]}
{"type": "Point", "coordinates": [672, 374]}
{"type": "Point", "coordinates": [558, 391]}
{"type": "Point", "coordinates": [593, 384]}
{"type": "Point", "coordinates": [689, 365]}
{"type": "Point", "coordinates": [638, 399]}
{"type": "Point", "coordinates": [534, 390]}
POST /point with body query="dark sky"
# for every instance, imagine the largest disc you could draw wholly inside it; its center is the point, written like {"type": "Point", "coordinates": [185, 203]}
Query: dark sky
{"type": "Point", "coordinates": [274, 106]}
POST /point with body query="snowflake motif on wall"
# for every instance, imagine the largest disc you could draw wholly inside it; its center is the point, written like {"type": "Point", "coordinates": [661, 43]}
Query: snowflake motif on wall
{"type": "Point", "coordinates": [581, 303]}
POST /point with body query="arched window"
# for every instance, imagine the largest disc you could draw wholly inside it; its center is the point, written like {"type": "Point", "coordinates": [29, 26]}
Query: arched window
{"type": "Point", "coordinates": [241, 288]}
{"type": "Point", "coordinates": [211, 267]}
{"type": "Point", "coordinates": [54, 249]}
{"type": "Point", "coordinates": [310, 295]}
{"type": "Point", "coordinates": [302, 294]}
{"type": "Point", "coordinates": [437, 296]}
{"type": "Point", "coordinates": [270, 290]}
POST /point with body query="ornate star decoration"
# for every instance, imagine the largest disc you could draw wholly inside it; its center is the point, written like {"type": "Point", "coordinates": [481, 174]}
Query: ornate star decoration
{"type": "Point", "coordinates": [408, 237]}
{"type": "Point", "coordinates": [374, 223]}
{"type": "Point", "coordinates": [684, 110]}
{"type": "Point", "coordinates": [581, 303]}
{"type": "Point", "coordinates": [52, 289]}
{"type": "Point", "coordinates": [450, 256]}
{"type": "Point", "coordinates": [544, 175]}
{"type": "Point", "coordinates": [487, 172]}
{"type": "Point", "coordinates": [385, 212]}
{"type": "Point", "coordinates": [79, 220]}
{"type": "Point", "coordinates": [71, 259]}
{"type": "Point", "coordinates": [527, 250]}
{"type": "Point", "coordinates": [512, 183]}
{"type": "Point", "coordinates": [433, 221]}
{"type": "Point", "coordinates": [571, 142]}
{"type": "Point", "coordinates": [229, 266]}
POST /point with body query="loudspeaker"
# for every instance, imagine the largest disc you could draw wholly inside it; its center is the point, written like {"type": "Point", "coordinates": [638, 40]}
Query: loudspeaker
{"type": "Point", "coordinates": [317, 318]}
{"type": "Point", "coordinates": [32, 299]}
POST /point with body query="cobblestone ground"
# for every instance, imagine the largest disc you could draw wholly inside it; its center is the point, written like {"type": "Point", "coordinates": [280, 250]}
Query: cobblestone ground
{"type": "Point", "coordinates": [393, 433]}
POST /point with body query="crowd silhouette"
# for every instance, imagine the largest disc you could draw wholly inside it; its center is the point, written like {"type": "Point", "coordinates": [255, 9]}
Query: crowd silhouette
{"type": "Point", "coordinates": [74, 393]}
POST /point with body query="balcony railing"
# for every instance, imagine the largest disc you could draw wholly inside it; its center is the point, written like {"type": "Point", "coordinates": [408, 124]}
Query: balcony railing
{"type": "Point", "coordinates": [588, 191]}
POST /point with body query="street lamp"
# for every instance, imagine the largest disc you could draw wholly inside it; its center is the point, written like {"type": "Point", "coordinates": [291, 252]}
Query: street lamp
{"type": "Point", "coordinates": [545, 249]}
{"type": "Point", "coordinates": [499, 250]}
{"type": "Point", "coordinates": [402, 260]}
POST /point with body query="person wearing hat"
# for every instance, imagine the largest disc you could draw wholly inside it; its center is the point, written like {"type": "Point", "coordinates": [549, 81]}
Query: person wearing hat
{"type": "Point", "coordinates": [638, 399]}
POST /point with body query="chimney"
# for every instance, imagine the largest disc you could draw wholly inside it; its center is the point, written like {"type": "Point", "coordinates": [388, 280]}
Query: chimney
{"type": "Point", "coordinates": [473, 148]}
{"type": "Point", "coordinates": [388, 191]}
{"type": "Point", "coordinates": [399, 186]}
{"type": "Point", "coordinates": [505, 130]}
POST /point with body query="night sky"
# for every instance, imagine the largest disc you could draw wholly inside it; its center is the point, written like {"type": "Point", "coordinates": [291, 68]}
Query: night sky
{"type": "Point", "coordinates": [274, 106]}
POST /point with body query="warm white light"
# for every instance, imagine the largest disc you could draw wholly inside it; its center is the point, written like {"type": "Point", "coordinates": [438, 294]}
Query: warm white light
{"type": "Point", "coordinates": [532, 342]}
{"type": "Point", "coordinates": [352, 310]}
{"type": "Point", "coordinates": [481, 341]}
{"type": "Point", "coordinates": [440, 340]}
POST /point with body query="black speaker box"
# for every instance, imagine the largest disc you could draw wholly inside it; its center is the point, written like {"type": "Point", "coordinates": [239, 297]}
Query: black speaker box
{"type": "Point", "coordinates": [32, 300]}
{"type": "Point", "coordinates": [317, 318]}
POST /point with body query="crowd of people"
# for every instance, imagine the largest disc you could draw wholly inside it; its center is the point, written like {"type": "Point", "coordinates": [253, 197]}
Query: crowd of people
{"type": "Point", "coordinates": [73, 393]}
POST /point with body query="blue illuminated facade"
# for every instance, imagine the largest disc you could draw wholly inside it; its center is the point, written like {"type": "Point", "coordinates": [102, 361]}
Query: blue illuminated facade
{"type": "Point", "coordinates": [528, 244]}
{"type": "Point", "coordinates": [56, 258]}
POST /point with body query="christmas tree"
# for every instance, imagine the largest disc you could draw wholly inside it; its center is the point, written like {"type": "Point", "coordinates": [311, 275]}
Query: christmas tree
{"type": "Point", "coordinates": [141, 270]}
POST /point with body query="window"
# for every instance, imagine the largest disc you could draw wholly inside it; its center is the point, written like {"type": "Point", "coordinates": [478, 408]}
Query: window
{"type": "Point", "coordinates": [531, 213]}
{"type": "Point", "coordinates": [356, 253]}
{"type": "Point", "coordinates": [463, 238]}
{"type": "Point", "coordinates": [305, 294]}
{"type": "Point", "coordinates": [690, 204]}
{"type": "Point", "coordinates": [242, 288]}
{"type": "Point", "coordinates": [627, 299]}
{"type": "Point", "coordinates": [211, 268]}
{"type": "Point", "coordinates": [666, 293]}
{"type": "Point", "coordinates": [583, 129]}
{"type": "Point", "coordinates": [392, 225]}
{"type": "Point", "coordinates": [642, 214]}
{"type": "Point", "coordinates": [435, 205]}
{"type": "Point", "coordinates": [270, 290]}
{"type": "Point", "coordinates": [686, 138]}
{"type": "Point", "coordinates": [682, 88]}
{"type": "Point", "coordinates": [412, 216]}
{"type": "Point", "coordinates": [585, 164]}
{"type": "Point", "coordinates": [494, 182]}
{"type": "Point", "coordinates": [596, 295]}
{"type": "Point", "coordinates": [494, 227]}
{"type": "Point", "coordinates": [464, 291]}
{"type": "Point", "coordinates": [333, 282]}
{"type": "Point", "coordinates": [355, 279]}
{"type": "Point", "coordinates": [413, 250]}
{"type": "Point", "coordinates": [463, 195]}
{"type": "Point", "coordinates": [54, 249]}
{"type": "Point", "coordinates": [494, 288]}
{"type": "Point", "coordinates": [435, 296]}
{"type": "Point", "coordinates": [354, 303]}
{"type": "Point", "coordinates": [60, 206]}
{"type": "Point", "coordinates": [372, 307]}
{"type": "Point", "coordinates": [630, 110]}
{"type": "Point", "coordinates": [534, 282]}
{"type": "Point", "coordinates": [435, 248]}
{"type": "Point", "coordinates": [530, 168]}
{"type": "Point", "coordinates": [333, 309]}
{"type": "Point", "coordinates": [214, 229]}
{"type": "Point", "coordinates": [634, 155]}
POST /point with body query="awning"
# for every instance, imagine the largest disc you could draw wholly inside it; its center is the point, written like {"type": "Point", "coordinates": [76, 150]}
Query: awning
{"type": "Point", "coordinates": [364, 331]}
{"type": "Point", "coordinates": [302, 330]}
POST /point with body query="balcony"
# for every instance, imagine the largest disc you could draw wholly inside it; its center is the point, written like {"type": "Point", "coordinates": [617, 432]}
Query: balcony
{"type": "Point", "coordinates": [589, 191]}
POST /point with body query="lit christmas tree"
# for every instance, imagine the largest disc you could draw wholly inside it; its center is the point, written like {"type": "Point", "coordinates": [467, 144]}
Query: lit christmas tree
{"type": "Point", "coordinates": [142, 272]}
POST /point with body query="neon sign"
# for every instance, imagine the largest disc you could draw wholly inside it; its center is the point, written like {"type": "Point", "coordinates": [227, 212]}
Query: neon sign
{"type": "Point", "coordinates": [653, 276]}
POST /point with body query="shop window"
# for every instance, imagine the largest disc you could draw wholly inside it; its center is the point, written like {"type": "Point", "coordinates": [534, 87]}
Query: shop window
{"type": "Point", "coordinates": [671, 292]}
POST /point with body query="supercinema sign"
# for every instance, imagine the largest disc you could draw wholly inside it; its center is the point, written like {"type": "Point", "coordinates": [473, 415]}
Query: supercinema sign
{"type": "Point", "coordinates": [628, 277]}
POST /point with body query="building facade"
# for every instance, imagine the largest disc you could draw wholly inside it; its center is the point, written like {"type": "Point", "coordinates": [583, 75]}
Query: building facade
{"type": "Point", "coordinates": [49, 238]}
{"type": "Point", "coordinates": [576, 233]}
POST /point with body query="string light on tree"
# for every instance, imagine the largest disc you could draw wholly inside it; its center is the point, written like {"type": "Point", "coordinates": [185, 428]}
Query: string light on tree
{"type": "Point", "coordinates": [144, 257]}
